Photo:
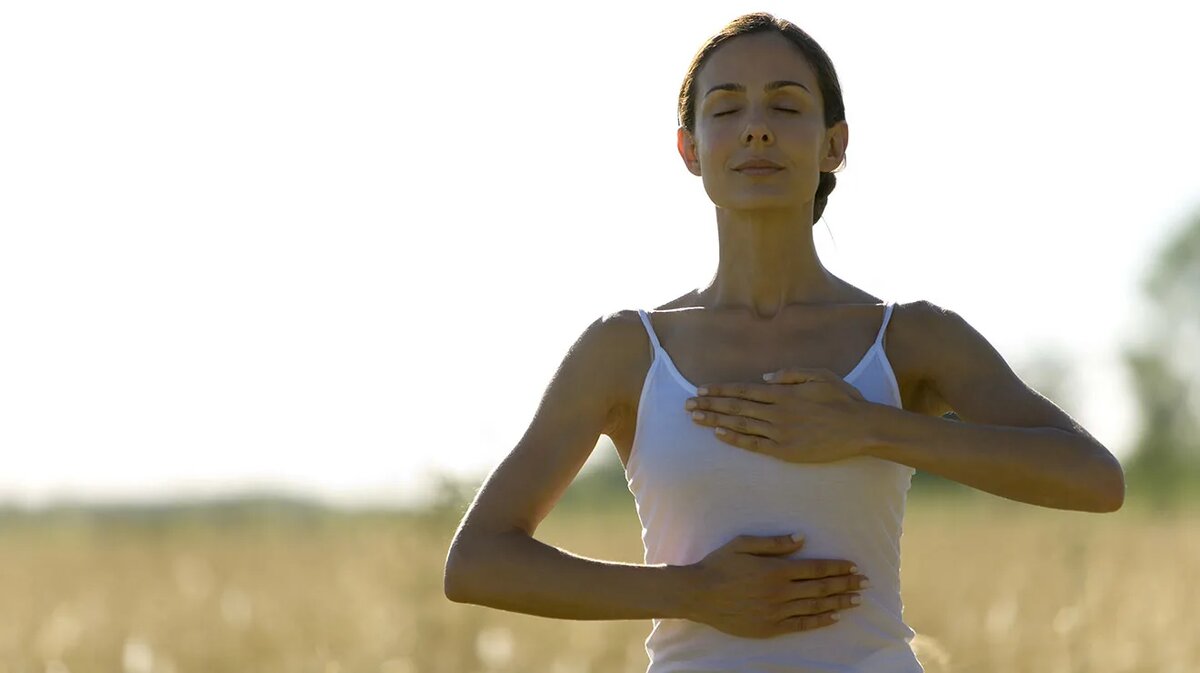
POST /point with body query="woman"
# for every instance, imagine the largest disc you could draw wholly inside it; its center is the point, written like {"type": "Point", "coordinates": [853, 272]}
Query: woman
{"type": "Point", "coordinates": [722, 472]}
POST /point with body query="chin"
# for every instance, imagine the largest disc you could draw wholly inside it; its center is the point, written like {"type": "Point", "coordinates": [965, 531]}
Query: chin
{"type": "Point", "coordinates": [764, 197]}
{"type": "Point", "coordinates": [759, 202]}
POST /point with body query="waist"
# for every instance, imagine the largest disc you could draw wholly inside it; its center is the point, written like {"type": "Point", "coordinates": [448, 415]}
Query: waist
{"type": "Point", "coordinates": [860, 641]}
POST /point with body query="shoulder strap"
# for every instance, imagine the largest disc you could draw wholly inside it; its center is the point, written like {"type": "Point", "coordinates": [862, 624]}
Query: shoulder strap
{"type": "Point", "coordinates": [649, 329]}
{"type": "Point", "coordinates": [887, 315]}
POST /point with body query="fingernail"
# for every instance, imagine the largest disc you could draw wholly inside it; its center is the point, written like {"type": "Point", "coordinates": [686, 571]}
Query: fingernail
{"type": "Point", "coordinates": [796, 537]}
{"type": "Point", "coordinates": [835, 616]}
{"type": "Point", "coordinates": [864, 584]}
{"type": "Point", "coordinates": [770, 376]}
{"type": "Point", "coordinates": [853, 569]}
{"type": "Point", "coordinates": [855, 600]}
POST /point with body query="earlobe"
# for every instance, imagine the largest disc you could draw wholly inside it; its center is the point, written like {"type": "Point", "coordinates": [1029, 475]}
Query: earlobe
{"type": "Point", "coordinates": [687, 150]}
{"type": "Point", "coordinates": [838, 137]}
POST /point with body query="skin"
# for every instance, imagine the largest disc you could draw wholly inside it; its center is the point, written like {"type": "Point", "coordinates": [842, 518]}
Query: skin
{"type": "Point", "coordinates": [770, 307]}
{"type": "Point", "coordinates": [764, 222]}
{"type": "Point", "coordinates": [771, 302]}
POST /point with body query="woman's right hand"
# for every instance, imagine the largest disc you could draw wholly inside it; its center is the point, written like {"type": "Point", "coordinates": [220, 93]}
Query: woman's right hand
{"type": "Point", "coordinates": [741, 590]}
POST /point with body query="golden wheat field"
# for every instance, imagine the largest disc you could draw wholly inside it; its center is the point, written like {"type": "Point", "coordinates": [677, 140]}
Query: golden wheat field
{"type": "Point", "coordinates": [989, 585]}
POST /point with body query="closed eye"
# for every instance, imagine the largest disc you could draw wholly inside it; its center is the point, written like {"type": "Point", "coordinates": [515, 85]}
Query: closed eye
{"type": "Point", "coordinates": [781, 109]}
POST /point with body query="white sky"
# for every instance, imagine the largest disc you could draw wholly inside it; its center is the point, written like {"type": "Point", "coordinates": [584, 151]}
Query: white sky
{"type": "Point", "coordinates": [333, 247]}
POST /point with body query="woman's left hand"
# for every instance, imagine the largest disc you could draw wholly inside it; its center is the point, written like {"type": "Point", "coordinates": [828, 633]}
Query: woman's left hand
{"type": "Point", "coordinates": [799, 416]}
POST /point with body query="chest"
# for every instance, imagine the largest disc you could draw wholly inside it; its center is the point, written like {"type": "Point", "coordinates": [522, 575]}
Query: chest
{"type": "Point", "coordinates": [727, 356]}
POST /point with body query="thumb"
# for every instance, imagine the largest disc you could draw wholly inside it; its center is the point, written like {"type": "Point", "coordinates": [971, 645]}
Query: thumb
{"type": "Point", "coordinates": [768, 544]}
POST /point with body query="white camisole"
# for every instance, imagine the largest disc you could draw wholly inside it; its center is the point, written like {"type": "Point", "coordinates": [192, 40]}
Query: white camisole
{"type": "Point", "coordinates": [694, 493]}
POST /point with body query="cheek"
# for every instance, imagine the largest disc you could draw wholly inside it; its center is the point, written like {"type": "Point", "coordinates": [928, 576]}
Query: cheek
{"type": "Point", "coordinates": [713, 149]}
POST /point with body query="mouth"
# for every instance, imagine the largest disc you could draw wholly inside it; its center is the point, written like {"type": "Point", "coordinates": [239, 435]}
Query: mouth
{"type": "Point", "coordinates": [758, 170]}
{"type": "Point", "coordinates": [758, 167]}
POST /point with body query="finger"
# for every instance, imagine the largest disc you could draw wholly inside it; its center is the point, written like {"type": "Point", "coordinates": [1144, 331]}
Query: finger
{"type": "Point", "coordinates": [742, 424]}
{"type": "Point", "coordinates": [798, 375]}
{"type": "Point", "coordinates": [812, 568]}
{"type": "Point", "coordinates": [855, 393]}
{"type": "Point", "coordinates": [758, 392]}
{"type": "Point", "coordinates": [813, 606]}
{"type": "Point", "coordinates": [763, 445]}
{"type": "Point", "coordinates": [826, 586]}
{"type": "Point", "coordinates": [809, 622]}
{"type": "Point", "coordinates": [846, 387]}
{"type": "Point", "coordinates": [734, 406]}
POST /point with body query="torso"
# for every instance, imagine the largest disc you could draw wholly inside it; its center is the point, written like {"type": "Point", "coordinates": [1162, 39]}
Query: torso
{"type": "Point", "coordinates": [710, 346]}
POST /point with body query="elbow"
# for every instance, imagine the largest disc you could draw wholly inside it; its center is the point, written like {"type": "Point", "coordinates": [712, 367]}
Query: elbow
{"type": "Point", "coordinates": [1110, 492]}
{"type": "Point", "coordinates": [1115, 498]}
{"type": "Point", "coordinates": [454, 583]}
{"type": "Point", "coordinates": [460, 580]}
{"type": "Point", "coordinates": [1102, 503]}
{"type": "Point", "coordinates": [455, 575]}
{"type": "Point", "coordinates": [450, 582]}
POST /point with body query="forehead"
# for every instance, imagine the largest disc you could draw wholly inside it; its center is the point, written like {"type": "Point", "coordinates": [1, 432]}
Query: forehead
{"type": "Point", "coordinates": [753, 60]}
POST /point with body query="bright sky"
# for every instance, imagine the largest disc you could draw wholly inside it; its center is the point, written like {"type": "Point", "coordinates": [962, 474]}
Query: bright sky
{"type": "Point", "coordinates": [332, 248]}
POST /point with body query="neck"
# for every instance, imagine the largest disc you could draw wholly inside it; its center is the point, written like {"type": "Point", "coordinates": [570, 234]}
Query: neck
{"type": "Point", "coordinates": [767, 261]}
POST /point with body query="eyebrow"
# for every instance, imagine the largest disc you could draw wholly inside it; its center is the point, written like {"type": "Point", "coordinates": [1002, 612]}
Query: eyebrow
{"type": "Point", "coordinates": [777, 84]}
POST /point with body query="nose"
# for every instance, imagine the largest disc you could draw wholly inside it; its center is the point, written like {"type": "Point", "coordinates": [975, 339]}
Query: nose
{"type": "Point", "coordinates": [758, 132]}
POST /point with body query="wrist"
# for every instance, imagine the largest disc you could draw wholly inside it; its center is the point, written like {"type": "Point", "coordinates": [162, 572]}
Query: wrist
{"type": "Point", "coordinates": [879, 419]}
{"type": "Point", "coordinates": [681, 584]}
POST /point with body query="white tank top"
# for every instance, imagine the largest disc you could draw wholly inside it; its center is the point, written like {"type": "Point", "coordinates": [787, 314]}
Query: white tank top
{"type": "Point", "coordinates": [694, 493]}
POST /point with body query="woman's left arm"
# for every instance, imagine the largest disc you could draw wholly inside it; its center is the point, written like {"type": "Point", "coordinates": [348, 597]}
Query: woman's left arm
{"type": "Point", "coordinates": [1012, 441]}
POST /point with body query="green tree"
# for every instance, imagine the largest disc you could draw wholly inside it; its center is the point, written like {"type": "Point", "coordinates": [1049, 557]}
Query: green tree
{"type": "Point", "coordinates": [1164, 371]}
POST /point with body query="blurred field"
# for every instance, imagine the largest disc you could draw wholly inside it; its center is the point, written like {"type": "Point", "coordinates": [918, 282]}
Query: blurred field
{"type": "Point", "coordinates": [989, 585]}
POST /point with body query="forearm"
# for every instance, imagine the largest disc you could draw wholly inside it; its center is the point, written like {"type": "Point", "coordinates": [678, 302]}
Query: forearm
{"type": "Point", "coordinates": [1042, 466]}
{"type": "Point", "coordinates": [515, 572]}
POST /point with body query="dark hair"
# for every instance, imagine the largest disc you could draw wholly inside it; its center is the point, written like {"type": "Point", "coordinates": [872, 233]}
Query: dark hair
{"type": "Point", "coordinates": [831, 91]}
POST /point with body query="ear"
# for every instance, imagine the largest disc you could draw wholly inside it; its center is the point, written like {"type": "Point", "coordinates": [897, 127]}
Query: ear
{"type": "Point", "coordinates": [687, 150]}
{"type": "Point", "coordinates": [836, 140]}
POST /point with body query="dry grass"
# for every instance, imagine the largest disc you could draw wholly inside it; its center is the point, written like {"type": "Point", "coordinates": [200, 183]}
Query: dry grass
{"type": "Point", "coordinates": [989, 586]}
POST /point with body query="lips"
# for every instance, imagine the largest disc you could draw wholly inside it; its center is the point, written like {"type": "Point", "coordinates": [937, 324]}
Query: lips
{"type": "Point", "coordinates": [758, 166]}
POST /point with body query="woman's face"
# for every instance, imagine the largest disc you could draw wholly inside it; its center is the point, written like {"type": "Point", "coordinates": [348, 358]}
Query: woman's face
{"type": "Point", "coordinates": [757, 100]}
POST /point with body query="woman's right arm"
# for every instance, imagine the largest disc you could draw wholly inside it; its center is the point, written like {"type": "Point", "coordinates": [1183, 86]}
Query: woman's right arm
{"type": "Point", "coordinates": [495, 561]}
{"type": "Point", "coordinates": [746, 587]}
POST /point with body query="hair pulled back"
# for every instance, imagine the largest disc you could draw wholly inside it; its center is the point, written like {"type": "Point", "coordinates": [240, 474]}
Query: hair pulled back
{"type": "Point", "coordinates": [834, 110]}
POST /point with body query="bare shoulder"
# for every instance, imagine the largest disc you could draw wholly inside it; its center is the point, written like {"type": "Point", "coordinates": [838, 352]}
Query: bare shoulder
{"type": "Point", "coordinates": [911, 341]}
{"type": "Point", "coordinates": [622, 355]}
{"type": "Point", "coordinates": [961, 371]}
{"type": "Point", "coordinates": [945, 341]}
{"type": "Point", "coordinates": [621, 332]}
{"type": "Point", "coordinates": [927, 333]}
{"type": "Point", "coordinates": [917, 322]}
